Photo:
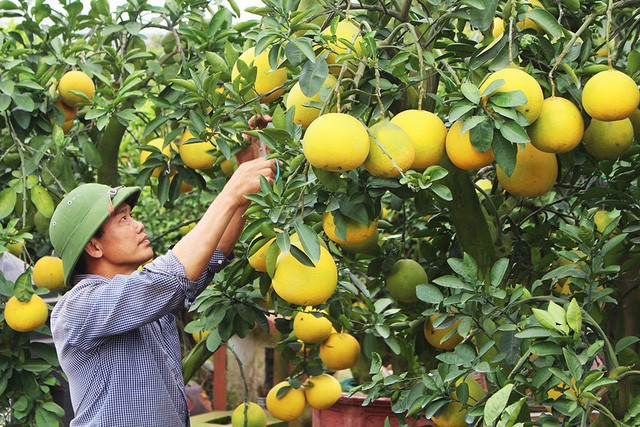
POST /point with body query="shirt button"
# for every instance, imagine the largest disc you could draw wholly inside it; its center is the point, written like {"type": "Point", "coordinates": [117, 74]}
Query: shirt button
{"type": "Point", "coordinates": [219, 261]}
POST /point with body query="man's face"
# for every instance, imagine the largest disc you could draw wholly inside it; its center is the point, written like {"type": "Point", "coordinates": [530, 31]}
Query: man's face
{"type": "Point", "coordinates": [123, 242]}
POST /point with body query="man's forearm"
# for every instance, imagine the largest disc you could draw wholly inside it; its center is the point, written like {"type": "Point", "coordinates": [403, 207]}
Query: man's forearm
{"type": "Point", "coordinates": [233, 232]}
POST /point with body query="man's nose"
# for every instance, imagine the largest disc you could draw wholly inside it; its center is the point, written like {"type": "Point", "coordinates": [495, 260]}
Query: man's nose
{"type": "Point", "coordinates": [139, 226]}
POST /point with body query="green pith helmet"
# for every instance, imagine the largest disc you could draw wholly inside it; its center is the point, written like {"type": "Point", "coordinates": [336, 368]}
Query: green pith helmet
{"type": "Point", "coordinates": [80, 214]}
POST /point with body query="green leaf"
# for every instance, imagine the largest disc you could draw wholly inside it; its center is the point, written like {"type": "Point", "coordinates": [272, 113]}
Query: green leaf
{"type": "Point", "coordinates": [23, 289]}
{"type": "Point", "coordinates": [312, 76]}
{"type": "Point", "coordinates": [575, 367]}
{"type": "Point", "coordinates": [548, 348]}
{"type": "Point", "coordinates": [574, 315]}
{"type": "Point", "coordinates": [42, 200]}
{"type": "Point", "coordinates": [633, 62]}
{"type": "Point", "coordinates": [442, 191]}
{"type": "Point", "coordinates": [472, 122]}
{"type": "Point", "coordinates": [24, 102]}
{"type": "Point", "coordinates": [309, 240]}
{"type": "Point", "coordinates": [301, 257]}
{"type": "Point", "coordinates": [546, 21]}
{"type": "Point", "coordinates": [505, 153]}
{"type": "Point", "coordinates": [450, 282]}
{"type": "Point", "coordinates": [213, 340]}
{"type": "Point", "coordinates": [471, 92]}
{"type": "Point", "coordinates": [496, 404]}
{"type": "Point", "coordinates": [498, 271]}
{"type": "Point", "coordinates": [544, 318]}
{"type": "Point", "coordinates": [626, 342]}
{"type": "Point", "coordinates": [514, 98]}
{"type": "Point", "coordinates": [559, 316]}
{"type": "Point", "coordinates": [429, 294]}
{"type": "Point", "coordinates": [8, 198]}
{"type": "Point", "coordinates": [91, 153]}
{"type": "Point", "coordinates": [481, 136]}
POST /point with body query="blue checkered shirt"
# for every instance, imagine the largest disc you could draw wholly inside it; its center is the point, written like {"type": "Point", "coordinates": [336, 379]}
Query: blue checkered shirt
{"type": "Point", "coordinates": [118, 344]}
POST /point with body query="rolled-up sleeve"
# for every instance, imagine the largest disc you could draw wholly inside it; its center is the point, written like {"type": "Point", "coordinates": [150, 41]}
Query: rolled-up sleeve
{"type": "Point", "coordinates": [217, 262]}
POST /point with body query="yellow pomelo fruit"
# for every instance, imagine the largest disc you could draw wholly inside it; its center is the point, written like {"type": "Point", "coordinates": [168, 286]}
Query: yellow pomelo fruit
{"type": "Point", "coordinates": [322, 391]}
{"type": "Point", "coordinates": [528, 23]}
{"type": "Point", "coordinates": [259, 258]}
{"type": "Point", "coordinates": [340, 351]}
{"type": "Point", "coordinates": [66, 127]}
{"type": "Point", "coordinates": [516, 79]}
{"type": "Point", "coordinates": [344, 30]}
{"type": "Point", "coordinates": [311, 329]}
{"type": "Point", "coordinates": [290, 406]}
{"type": "Point", "coordinates": [608, 140]}
{"type": "Point", "coordinates": [303, 114]}
{"type": "Point", "coordinates": [434, 336]}
{"type": "Point", "coordinates": [602, 218]}
{"type": "Point", "coordinates": [336, 142]}
{"type": "Point", "coordinates": [462, 153]}
{"type": "Point", "coordinates": [357, 232]}
{"type": "Point", "coordinates": [266, 79]}
{"type": "Point", "coordinates": [196, 155]}
{"type": "Point", "coordinates": [228, 167]}
{"type": "Point", "coordinates": [498, 28]}
{"type": "Point", "coordinates": [15, 248]}
{"type": "Point", "coordinates": [559, 128]}
{"type": "Point", "coordinates": [25, 316]}
{"type": "Point", "coordinates": [166, 154]}
{"type": "Point", "coordinates": [299, 284]}
{"type": "Point", "coordinates": [369, 246]}
{"type": "Point", "coordinates": [635, 121]}
{"type": "Point", "coordinates": [78, 81]}
{"type": "Point", "coordinates": [427, 133]}
{"type": "Point", "coordinates": [485, 184]}
{"type": "Point", "coordinates": [453, 413]}
{"type": "Point", "coordinates": [396, 143]}
{"type": "Point", "coordinates": [610, 95]}
{"type": "Point", "coordinates": [404, 277]}
{"type": "Point", "coordinates": [70, 113]}
{"type": "Point", "coordinates": [48, 273]}
{"type": "Point", "coordinates": [534, 175]}
{"type": "Point", "coordinates": [200, 335]}
{"type": "Point", "coordinates": [255, 416]}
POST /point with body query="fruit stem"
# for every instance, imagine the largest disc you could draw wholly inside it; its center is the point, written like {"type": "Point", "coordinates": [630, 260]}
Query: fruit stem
{"type": "Point", "coordinates": [608, 32]}
{"type": "Point", "coordinates": [378, 90]}
{"type": "Point", "coordinates": [244, 379]}
{"type": "Point", "coordinates": [416, 42]}
{"type": "Point", "coordinates": [567, 48]}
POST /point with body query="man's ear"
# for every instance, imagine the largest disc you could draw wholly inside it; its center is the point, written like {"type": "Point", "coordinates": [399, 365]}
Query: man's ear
{"type": "Point", "coordinates": [93, 248]}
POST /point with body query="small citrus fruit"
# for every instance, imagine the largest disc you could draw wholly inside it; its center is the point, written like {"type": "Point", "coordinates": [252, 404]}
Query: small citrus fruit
{"type": "Point", "coordinates": [290, 406]}
{"type": "Point", "coordinates": [534, 175]}
{"type": "Point", "coordinates": [404, 277]}
{"type": "Point", "coordinates": [70, 113]}
{"type": "Point", "coordinates": [462, 153]}
{"type": "Point", "coordinates": [434, 336]}
{"type": "Point", "coordinates": [322, 391]}
{"type": "Point", "coordinates": [529, 23]}
{"type": "Point", "coordinates": [497, 30]}
{"type": "Point", "coordinates": [336, 142]}
{"type": "Point", "coordinates": [15, 248]}
{"type": "Point", "coordinates": [559, 128]}
{"type": "Point", "coordinates": [427, 133]}
{"type": "Point", "coordinates": [266, 79]}
{"type": "Point", "coordinates": [76, 81]}
{"type": "Point", "coordinates": [311, 329]}
{"type": "Point", "coordinates": [255, 416]}
{"type": "Point", "coordinates": [608, 140]}
{"type": "Point", "coordinates": [25, 316]}
{"type": "Point", "coordinates": [340, 351]}
{"type": "Point", "coordinates": [610, 95]}
{"type": "Point", "coordinates": [48, 273]}
{"type": "Point", "coordinates": [356, 232]}
{"type": "Point", "coordinates": [516, 79]}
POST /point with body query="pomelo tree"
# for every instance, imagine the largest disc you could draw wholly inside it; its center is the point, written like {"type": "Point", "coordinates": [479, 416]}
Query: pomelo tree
{"type": "Point", "coordinates": [490, 142]}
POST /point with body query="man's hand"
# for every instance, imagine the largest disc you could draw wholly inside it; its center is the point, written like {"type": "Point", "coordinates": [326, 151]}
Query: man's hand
{"type": "Point", "coordinates": [246, 179]}
{"type": "Point", "coordinates": [257, 147]}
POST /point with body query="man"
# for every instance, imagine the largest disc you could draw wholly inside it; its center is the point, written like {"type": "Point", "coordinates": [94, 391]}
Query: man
{"type": "Point", "coordinates": [114, 331]}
